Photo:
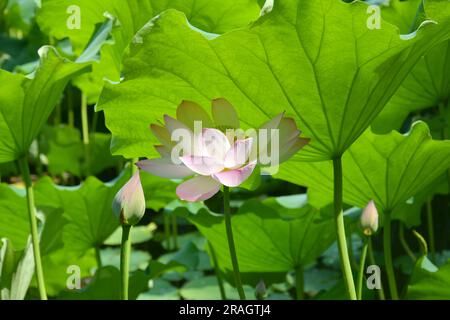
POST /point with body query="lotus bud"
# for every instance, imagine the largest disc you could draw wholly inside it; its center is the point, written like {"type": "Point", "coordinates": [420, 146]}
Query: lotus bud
{"type": "Point", "coordinates": [260, 290]}
{"type": "Point", "coordinates": [129, 203]}
{"type": "Point", "coordinates": [369, 219]}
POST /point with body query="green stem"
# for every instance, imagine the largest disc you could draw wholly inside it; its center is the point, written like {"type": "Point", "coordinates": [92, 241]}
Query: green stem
{"type": "Point", "coordinates": [404, 243]}
{"type": "Point", "coordinates": [133, 167]}
{"type": "Point", "coordinates": [340, 230]}
{"type": "Point", "coordinates": [167, 231]}
{"type": "Point", "coordinates": [125, 261]}
{"type": "Point", "coordinates": [94, 122]}
{"type": "Point", "coordinates": [217, 272]}
{"type": "Point", "coordinates": [229, 230]}
{"type": "Point", "coordinates": [174, 232]}
{"type": "Point", "coordinates": [25, 170]}
{"type": "Point", "coordinates": [362, 263]}
{"type": "Point", "coordinates": [85, 132]}
{"type": "Point", "coordinates": [388, 256]}
{"type": "Point", "coordinates": [57, 115]}
{"type": "Point", "coordinates": [70, 115]}
{"type": "Point", "coordinates": [374, 262]}
{"type": "Point", "coordinates": [299, 283]}
{"type": "Point", "coordinates": [431, 229]}
{"type": "Point", "coordinates": [39, 166]}
{"type": "Point", "coordinates": [98, 257]}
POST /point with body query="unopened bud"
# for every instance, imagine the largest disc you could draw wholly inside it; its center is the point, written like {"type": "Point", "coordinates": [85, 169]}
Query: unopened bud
{"type": "Point", "coordinates": [260, 290]}
{"type": "Point", "coordinates": [129, 203]}
{"type": "Point", "coordinates": [369, 219]}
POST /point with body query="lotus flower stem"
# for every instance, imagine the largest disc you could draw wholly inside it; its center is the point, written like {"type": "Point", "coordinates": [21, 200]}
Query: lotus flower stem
{"type": "Point", "coordinates": [362, 263]}
{"type": "Point", "coordinates": [175, 232]}
{"type": "Point", "coordinates": [57, 115]}
{"type": "Point", "coordinates": [229, 229]}
{"type": "Point", "coordinates": [167, 232]}
{"type": "Point", "coordinates": [404, 243]}
{"type": "Point", "coordinates": [299, 283]}
{"type": "Point", "coordinates": [98, 257]}
{"type": "Point", "coordinates": [125, 261]}
{"type": "Point", "coordinates": [25, 170]}
{"type": "Point", "coordinates": [70, 115]}
{"type": "Point", "coordinates": [217, 272]}
{"type": "Point", "coordinates": [374, 262]}
{"type": "Point", "coordinates": [431, 229]}
{"type": "Point", "coordinates": [340, 229]}
{"type": "Point", "coordinates": [133, 167]}
{"type": "Point", "coordinates": [85, 131]}
{"type": "Point", "coordinates": [388, 255]}
{"type": "Point", "coordinates": [94, 122]}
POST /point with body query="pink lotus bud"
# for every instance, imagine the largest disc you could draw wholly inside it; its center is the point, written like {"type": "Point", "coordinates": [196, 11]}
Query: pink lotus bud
{"type": "Point", "coordinates": [369, 219]}
{"type": "Point", "coordinates": [129, 203]}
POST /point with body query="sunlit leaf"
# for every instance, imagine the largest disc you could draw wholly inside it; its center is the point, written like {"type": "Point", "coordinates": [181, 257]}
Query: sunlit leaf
{"type": "Point", "coordinates": [88, 209]}
{"type": "Point", "coordinates": [316, 60]}
{"type": "Point", "coordinates": [266, 242]}
{"type": "Point", "coordinates": [428, 282]}
{"type": "Point", "coordinates": [389, 169]}
{"type": "Point", "coordinates": [25, 104]}
{"type": "Point", "coordinates": [216, 16]}
{"type": "Point", "coordinates": [138, 234]}
{"type": "Point", "coordinates": [206, 288]}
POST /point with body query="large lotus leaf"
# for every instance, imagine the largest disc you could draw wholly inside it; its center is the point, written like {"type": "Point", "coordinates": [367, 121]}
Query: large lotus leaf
{"type": "Point", "coordinates": [428, 83]}
{"type": "Point", "coordinates": [215, 16]}
{"type": "Point", "coordinates": [87, 208]}
{"type": "Point", "coordinates": [426, 86]}
{"type": "Point", "coordinates": [428, 282]}
{"type": "Point", "coordinates": [15, 225]}
{"type": "Point", "coordinates": [160, 290]}
{"type": "Point", "coordinates": [25, 104]}
{"type": "Point", "coordinates": [389, 168]}
{"type": "Point", "coordinates": [105, 285]}
{"type": "Point", "coordinates": [316, 60]}
{"type": "Point", "coordinates": [57, 268]}
{"type": "Point", "coordinates": [206, 288]}
{"type": "Point", "coordinates": [266, 242]}
{"type": "Point", "coordinates": [409, 212]}
{"type": "Point", "coordinates": [406, 15]}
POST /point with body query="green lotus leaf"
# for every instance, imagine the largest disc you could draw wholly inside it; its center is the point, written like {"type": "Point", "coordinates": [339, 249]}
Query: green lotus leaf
{"type": "Point", "coordinates": [266, 242]}
{"type": "Point", "coordinates": [316, 60]}
{"type": "Point", "coordinates": [87, 208]}
{"type": "Point", "coordinates": [26, 103]}
{"type": "Point", "coordinates": [56, 18]}
{"type": "Point", "coordinates": [390, 169]}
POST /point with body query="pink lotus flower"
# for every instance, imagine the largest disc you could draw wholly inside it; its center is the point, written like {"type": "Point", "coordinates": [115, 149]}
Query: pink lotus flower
{"type": "Point", "coordinates": [212, 154]}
